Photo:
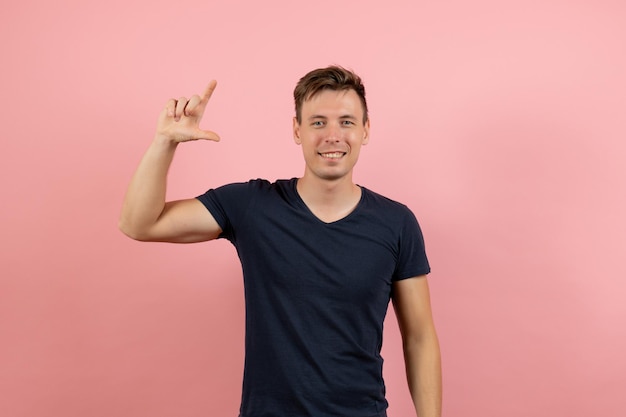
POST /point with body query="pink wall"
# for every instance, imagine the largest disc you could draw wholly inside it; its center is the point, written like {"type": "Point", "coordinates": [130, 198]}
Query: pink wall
{"type": "Point", "coordinates": [500, 123]}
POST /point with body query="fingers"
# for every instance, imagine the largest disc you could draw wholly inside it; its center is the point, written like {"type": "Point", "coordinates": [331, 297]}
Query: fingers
{"type": "Point", "coordinates": [180, 108]}
{"type": "Point", "coordinates": [187, 135]}
{"type": "Point", "coordinates": [198, 109]}
{"type": "Point", "coordinates": [193, 107]}
{"type": "Point", "coordinates": [171, 107]}
{"type": "Point", "coordinates": [208, 91]}
{"type": "Point", "coordinates": [208, 135]}
{"type": "Point", "coordinates": [176, 108]}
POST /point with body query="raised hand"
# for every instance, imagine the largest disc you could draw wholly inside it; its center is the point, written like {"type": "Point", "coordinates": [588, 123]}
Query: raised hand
{"type": "Point", "coordinates": [180, 119]}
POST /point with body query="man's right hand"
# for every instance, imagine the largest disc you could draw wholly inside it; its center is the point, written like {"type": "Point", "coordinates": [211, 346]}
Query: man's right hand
{"type": "Point", "coordinates": [145, 214]}
{"type": "Point", "coordinates": [180, 119]}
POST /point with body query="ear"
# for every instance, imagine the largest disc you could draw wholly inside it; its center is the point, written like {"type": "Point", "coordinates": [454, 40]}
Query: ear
{"type": "Point", "coordinates": [366, 132]}
{"type": "Point", "coordinates": [296, 131]}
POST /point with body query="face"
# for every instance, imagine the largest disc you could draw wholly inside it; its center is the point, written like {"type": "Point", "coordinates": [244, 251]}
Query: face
{"type": "Point", "coordinates": [331, 134]}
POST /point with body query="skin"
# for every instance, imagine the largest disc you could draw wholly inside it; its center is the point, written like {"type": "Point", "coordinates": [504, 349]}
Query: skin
{"type": "Point", "coordinates": [145, 214]}
{"type": "Point", "coordinates": [422, 358]}
{"type": "Point", "coordinates": [331, 134]}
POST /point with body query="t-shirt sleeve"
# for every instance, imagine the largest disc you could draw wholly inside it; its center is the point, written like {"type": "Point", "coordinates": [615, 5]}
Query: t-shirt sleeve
{"type": "Point", "coordinates": [228, 205]}
{"type": "Point", "coordinates": [412, 260]}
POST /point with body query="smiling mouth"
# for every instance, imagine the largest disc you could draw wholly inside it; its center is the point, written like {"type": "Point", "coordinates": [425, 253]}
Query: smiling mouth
{"type": "Point", "coordinates": [332, 155]}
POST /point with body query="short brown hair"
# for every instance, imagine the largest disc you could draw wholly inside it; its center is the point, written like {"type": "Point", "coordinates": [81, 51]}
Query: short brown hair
{"type": "Point", "coordinates": [333, 78]}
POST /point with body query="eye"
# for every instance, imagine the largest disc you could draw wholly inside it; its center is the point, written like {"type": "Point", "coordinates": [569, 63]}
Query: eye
{"type": "Point", "coordinates": [317, 123]}
{"type": "Point", "coordinates": [347, 122]}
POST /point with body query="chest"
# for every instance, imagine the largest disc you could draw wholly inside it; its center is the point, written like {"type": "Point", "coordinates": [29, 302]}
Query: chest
{"type": "Point", "coordinates": [348, 261]}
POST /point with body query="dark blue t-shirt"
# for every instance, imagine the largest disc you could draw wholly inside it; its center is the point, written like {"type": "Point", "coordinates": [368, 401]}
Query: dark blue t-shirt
{"type": "Point", "coordinates": [316, 296]}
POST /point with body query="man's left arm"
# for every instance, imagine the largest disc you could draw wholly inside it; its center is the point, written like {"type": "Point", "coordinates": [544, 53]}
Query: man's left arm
{"type": "Point", "coordinates": [422, 358]}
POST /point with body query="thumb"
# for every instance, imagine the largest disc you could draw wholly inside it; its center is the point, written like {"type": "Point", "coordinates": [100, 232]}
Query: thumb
{"type": "Point", "coordinates": [207, 135]}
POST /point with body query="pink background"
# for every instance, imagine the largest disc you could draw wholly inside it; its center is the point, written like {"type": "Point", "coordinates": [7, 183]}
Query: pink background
{"type": "Point", "coordinates": [500, 123]}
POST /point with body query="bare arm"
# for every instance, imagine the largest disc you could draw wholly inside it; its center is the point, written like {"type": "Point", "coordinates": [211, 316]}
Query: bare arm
{"type": "Point", "coordinates": [145, 214]}
{"type": "Point", "coordinates": [411, 301]}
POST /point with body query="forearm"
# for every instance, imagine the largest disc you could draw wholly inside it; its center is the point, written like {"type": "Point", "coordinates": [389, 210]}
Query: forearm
{"type": "Point", "coordinates": [423, 368]}
{"type": "Point", "coordinates": [145, 197]}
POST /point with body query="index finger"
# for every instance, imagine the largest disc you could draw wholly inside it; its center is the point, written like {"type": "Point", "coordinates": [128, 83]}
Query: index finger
{"type": "Point", "coordinates": [208, 91]}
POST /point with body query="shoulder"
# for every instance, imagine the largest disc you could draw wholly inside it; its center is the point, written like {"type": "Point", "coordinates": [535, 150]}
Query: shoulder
{"type": "Point", "coordinates": [241, 187]}
{"type": "Point", "coordinates": [374, 200]}
{"type": "Point", "coordinates": [393, 214]}
{"type": "Point", "coordinates": [231, 204]}
{"type": "Point", "coordinates": [263, 184]}
{"type": "Point", "coordinates": [249, 190]}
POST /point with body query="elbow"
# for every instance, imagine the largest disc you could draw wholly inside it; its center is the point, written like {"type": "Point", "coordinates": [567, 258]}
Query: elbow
{"type": "Point", "coordinates": [126, 228]}
{"type": "Point", "coordinates": [123, 227]}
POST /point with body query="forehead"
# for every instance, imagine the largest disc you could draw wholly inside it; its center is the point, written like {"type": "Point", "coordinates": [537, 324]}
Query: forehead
{"type": "Point", "coordinates": [330, 103]}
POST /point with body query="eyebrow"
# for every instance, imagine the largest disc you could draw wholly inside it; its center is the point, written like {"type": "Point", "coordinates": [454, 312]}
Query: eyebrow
{"type": "Point", "coordinates": [345, 116]}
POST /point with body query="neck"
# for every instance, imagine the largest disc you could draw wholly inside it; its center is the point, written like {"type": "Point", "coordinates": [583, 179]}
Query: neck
{"type": "Point", "coordinates": [330, 200]}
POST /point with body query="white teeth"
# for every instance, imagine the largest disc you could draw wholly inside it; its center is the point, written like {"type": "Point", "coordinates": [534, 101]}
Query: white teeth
{"type": "Point", "coordinates": [332, 155]}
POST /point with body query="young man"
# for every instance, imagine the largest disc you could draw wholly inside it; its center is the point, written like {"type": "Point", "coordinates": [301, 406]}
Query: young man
{"type": "Point", "coordinates": [321, 258]}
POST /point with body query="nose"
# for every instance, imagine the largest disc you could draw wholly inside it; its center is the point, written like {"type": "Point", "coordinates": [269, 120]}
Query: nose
{"type": "Point", "coordinates": [333, 134]}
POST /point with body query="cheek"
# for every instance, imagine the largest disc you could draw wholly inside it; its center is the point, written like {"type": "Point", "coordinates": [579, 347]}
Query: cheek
{"type": "Point", "coordinates": [313, 139]}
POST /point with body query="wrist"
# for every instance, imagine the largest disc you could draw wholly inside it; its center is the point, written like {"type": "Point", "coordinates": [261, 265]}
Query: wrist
{"type": "Point", "coordinates": [164, 141]}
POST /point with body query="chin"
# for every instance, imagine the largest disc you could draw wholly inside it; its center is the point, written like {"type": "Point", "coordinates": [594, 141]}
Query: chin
{"type": "Point", "coordinates": [332, 176]}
